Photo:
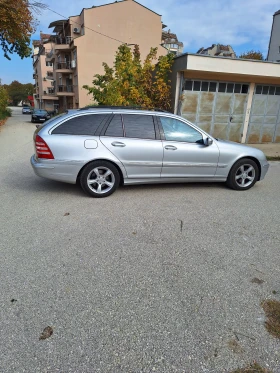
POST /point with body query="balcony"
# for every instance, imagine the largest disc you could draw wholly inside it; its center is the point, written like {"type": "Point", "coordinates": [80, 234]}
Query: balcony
{"type": "Point", "coordinates": [62, 42]}
{"type": "Point", "coordinates": [35, 76]}
{"type": "Point", "coordinates": [63, 67]}
{"type": "Point", "coordinates": [49, 94]}
{"type": "Point", "coordinates": [50, 91]}
{"type": "Point", "coordinates": [65, 90]}
{"type": "Point", "coordinates": [49, 75]}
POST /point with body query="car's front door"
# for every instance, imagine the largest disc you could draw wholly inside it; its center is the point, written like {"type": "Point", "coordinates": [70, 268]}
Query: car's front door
{"type": "Point", "coordinates": [185, 154]}
{"type": "Point", "coordinates": [134, 140]}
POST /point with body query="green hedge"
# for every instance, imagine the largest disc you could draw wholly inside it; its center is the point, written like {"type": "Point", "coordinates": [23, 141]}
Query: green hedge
{"type": "Point", "coordinates": [5, 114]}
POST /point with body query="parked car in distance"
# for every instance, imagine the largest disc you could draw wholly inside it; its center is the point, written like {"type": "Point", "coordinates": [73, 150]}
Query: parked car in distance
{"type": "Point", "coordinates": [39, 115]}
{"type": "Point", "coordinates": [26, 110]}
{"type": "Point", "coordinates": [101, 148]}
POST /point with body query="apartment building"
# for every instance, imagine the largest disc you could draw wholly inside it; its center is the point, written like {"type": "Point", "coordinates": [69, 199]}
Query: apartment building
{"type": "Point", "coordinates": [171, 43]}
{"type": "Point", "coordinates": [274, 42]}
{"type": "Point", "coordinates": [218, 50]}
{"type": "Point", "coordinates": [80, 44]}
{"type": "Point", "coordinates": [44, 93]}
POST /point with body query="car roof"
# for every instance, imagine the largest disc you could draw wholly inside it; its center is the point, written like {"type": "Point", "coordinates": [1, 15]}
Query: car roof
{"type": "Point", "coordinates": [104, 110]}
{"type": "Point", "coordinates": [116, 109]}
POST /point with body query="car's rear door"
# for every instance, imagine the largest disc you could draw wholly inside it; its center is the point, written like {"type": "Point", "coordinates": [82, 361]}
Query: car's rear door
{"type": "Point", "coordinates": [135, 140]}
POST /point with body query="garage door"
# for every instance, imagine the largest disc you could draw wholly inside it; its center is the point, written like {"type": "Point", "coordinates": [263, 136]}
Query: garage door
{"type": "Point", "coordinates": [216, 107]}
{"type": "Point", "coordinates": [264, 123]}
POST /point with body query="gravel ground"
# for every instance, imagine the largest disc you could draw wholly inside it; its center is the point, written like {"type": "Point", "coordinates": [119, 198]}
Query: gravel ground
{"type": "Point", "coordinates": [151, 279]}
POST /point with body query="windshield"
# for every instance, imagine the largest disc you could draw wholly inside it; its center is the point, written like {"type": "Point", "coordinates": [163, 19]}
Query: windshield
{"type": "Point", "coordinates": [40, 112]}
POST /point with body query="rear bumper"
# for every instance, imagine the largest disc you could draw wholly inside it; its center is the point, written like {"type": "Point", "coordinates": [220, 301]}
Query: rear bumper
{"type": "Point", "coordinates": [264, 169]}
{"type": "Point", "coordinates": [54, 170]}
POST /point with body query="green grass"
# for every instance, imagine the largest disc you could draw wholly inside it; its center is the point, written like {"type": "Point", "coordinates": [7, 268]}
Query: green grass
{"type": "Point", "coordinates": [276, 158]}
{"type": "Point", "coordinates": [272, 311]}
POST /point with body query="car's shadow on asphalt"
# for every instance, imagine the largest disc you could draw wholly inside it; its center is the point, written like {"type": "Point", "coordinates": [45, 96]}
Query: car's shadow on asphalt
{"type": "Point", "coordinates": [52, 186]}
{"type": "Point", "coordinates": [39, 185]}
{"type": "Point", "coordinates": [172, 186]}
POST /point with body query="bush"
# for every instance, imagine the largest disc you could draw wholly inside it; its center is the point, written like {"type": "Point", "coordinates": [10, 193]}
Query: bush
{"type": "Point", "coordinates": [4, 111]}
{"type": "Point", "coordinates": [5, 114]}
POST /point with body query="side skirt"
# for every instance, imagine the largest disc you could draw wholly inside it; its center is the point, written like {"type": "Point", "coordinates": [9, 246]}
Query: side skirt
{"type": "Point", "coordinates": [174, 180]}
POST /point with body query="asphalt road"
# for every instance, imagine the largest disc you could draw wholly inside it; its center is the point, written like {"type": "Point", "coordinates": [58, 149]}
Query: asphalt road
{"type": "Point", "coordinates": [151, 279]}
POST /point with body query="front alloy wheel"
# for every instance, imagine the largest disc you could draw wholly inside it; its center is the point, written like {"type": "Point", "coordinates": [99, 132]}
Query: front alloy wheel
{"type": "Point", "coordinates": [243, 175]}
{"type": "Point", "coordinates": [100, 179]}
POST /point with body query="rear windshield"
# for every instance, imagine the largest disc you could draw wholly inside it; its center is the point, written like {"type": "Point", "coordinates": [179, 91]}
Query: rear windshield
{"type": "Point", "coordinates": [39, 127]}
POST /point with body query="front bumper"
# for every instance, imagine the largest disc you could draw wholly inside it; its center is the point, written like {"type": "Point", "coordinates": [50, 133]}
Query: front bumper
{"type": "Point", "coordinates": [51, 169]}
{"type": "Point", "coordinates": [264, 169]}
{"type": "Point", "coordinates": [38, 119]}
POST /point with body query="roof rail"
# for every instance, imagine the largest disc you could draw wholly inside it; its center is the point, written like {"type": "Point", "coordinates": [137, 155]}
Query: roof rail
{"type": "Point", "coordinates": [122, 107]}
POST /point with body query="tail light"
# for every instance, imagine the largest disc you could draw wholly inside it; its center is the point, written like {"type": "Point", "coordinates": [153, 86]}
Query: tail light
{"type": "Point", "coordinates": [42, 148]}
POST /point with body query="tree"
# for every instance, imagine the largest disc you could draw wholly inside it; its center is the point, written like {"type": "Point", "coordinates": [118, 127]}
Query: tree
{"type": "Point", "coordinates": [17, 24]}
{"type": "Point", "coordinates": [18, 91]}
{"type": "Point", "coordinates": [130, 83]}
{"type": "Point", "coordinates": [4, 97]}
{"type": "Point", "coordinates": [252, 55]}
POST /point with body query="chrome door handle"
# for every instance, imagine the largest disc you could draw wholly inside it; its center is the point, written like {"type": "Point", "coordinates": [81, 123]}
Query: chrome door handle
{"type": "Point", "coordinates": [170, 147]}
{"type": "Point", "coordinates": [118, 144]}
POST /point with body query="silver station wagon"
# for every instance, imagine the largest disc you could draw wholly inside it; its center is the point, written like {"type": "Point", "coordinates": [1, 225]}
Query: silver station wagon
{"type": "Point", "coordinates": [103, 147]}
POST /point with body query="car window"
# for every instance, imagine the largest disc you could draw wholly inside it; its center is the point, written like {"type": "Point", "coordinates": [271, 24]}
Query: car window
{"type": "Point", "coordinates": [115, 128]}
{"type": "Point", "coordinates": [40, 112]}
{"type": "Point", "coordinates": [175, 130]}
{"type": "Point", "coordinates": [139, 126]}
{"type": "Point", "coordinates": [80, 125]}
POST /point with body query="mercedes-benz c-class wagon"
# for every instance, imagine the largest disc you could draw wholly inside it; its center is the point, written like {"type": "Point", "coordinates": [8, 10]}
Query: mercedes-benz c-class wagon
{"type": "Point", "coordinates": [103, 147]}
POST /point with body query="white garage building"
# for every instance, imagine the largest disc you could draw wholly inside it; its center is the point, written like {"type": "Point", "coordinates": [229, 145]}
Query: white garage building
{"type": "Point", "coordinates": [232, 99]}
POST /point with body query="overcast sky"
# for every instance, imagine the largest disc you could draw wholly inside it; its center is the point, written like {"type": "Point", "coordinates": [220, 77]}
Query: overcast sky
{"type": "Point", "coordinates": [244, 24]}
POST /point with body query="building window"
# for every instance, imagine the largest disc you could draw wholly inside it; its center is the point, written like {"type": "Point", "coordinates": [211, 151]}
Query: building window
{"type": "Point", "coordinates": [196, 85]}
{"type": "Point", "coordinates": [279, 49]}
{"type": "Point", "coordinates": [223, 87]}
{"type": "Point", "coordinates": [48, 63]}
{"type": "Point", "coordinates": [267, 90]}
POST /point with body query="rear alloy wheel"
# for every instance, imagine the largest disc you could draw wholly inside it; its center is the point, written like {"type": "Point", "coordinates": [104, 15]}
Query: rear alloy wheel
{"type": "Point", "coordinates": [243, 175]}
{"type": "Point", "coordinates": [100, 179]}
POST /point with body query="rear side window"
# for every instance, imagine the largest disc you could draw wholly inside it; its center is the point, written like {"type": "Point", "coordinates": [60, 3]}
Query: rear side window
{"type": "Point", "coordinates": [81, 125]}
{"type": "Point", "coordinates": [139, 126]}
{"type": "Point", "coordinates": [115, 128]}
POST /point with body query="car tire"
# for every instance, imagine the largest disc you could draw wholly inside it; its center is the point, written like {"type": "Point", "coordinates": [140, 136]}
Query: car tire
{"type": "Point", "coordinates": [94, 181]}
{"type": "Point", "coordinates": [243, 175]}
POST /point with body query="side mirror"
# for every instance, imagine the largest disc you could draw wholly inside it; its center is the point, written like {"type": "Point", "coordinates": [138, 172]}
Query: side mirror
{"type": "Point", "coordinates": [208, 141]}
